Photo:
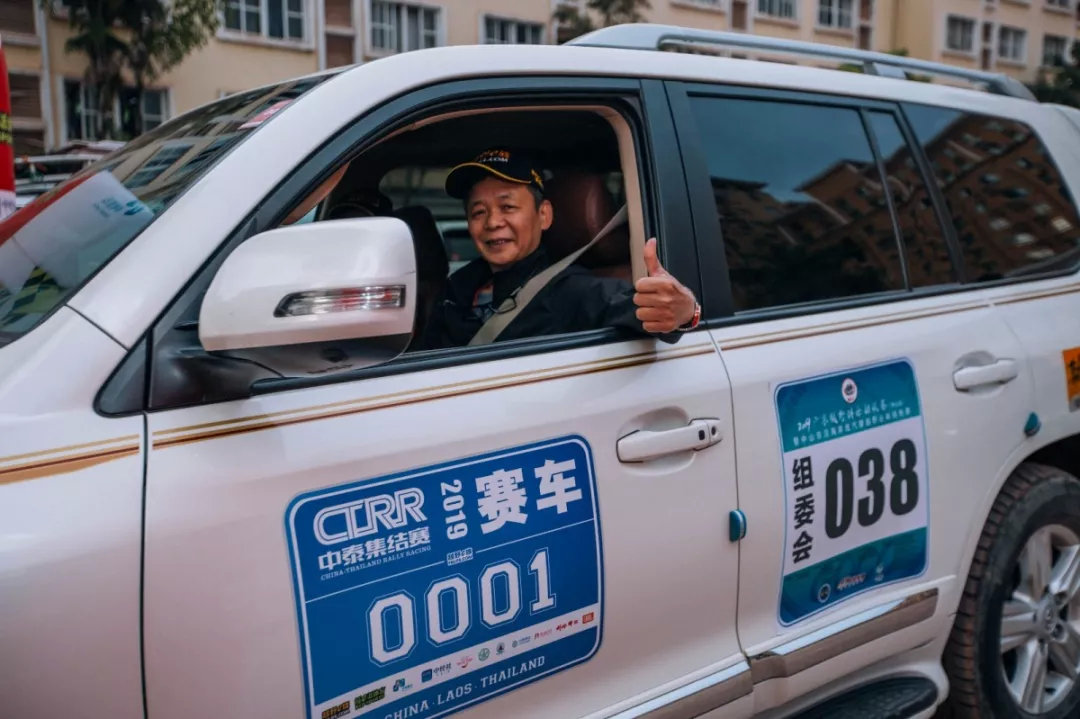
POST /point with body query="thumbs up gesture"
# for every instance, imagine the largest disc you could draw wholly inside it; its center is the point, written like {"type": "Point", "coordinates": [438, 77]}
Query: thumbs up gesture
{"type": "Point", "coordinates": [663, 303]}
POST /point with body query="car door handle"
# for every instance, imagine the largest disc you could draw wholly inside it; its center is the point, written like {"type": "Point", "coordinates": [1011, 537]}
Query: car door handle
{"type": "Point", "coordinates": [643, 444]}
{"type": "Point", "coordinates": [999, 372]}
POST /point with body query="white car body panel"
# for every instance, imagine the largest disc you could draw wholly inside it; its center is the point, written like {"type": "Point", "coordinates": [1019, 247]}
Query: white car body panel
{"type": "Point", "coordinates": [70, 543]}
{"type": "Point", "coordinates": [832, 341]}
{"type": "Point", "coordinates": [209, 604]}
{"type": "Point", "coordinates": [228, 624]}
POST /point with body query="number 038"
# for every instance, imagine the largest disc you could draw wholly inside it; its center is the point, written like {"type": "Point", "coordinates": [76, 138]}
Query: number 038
{"type": "Point", "coordinates": [903, 488]}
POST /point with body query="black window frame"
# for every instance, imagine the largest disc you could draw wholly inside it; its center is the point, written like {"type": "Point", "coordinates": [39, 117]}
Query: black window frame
{"type": "Point", "coordinates": [643, 105]}
{"type": "Point", "coordinates": [717, 302]}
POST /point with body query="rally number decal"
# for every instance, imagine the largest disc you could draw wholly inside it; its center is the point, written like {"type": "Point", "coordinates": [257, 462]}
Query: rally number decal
{"type": "Point", "coordinates": [421, 593]}
{"type": "Point", "coordinates": [855, 483]}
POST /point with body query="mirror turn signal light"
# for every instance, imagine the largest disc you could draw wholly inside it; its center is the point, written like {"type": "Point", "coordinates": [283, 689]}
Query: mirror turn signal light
{"type": "Point", "coordinates": [321, 302]}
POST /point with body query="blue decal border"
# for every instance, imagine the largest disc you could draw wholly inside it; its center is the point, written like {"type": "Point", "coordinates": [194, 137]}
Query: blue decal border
{"type": "Point", "coordinates": [298, 500]}
{"type": "Point", "coordinates": [780, 444]}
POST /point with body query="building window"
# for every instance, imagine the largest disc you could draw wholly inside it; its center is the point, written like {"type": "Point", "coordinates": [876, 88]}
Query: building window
{"type": "Point", "coordinates": [339, 13]}
{"type": "Point", "coordinates": [835, 13]}
{"type": "Point", "coordinates": [279, 19]}
{"type": "Point", "coordinates": [339, 50]}
{"type": "Point", "coordinates": [777, 8]}
{"type": "Point", "coordinates": [81, 111]}
{"type": "Point", "coordinates": [512, 32]}
{"type": "Point", "coordinates": [1011, 42]}
{"type": "Point", "coordinates": [398, 27]}
{"type": "Point", "coordinates": [1054, 50]}
{"type": "Point", "coordinates": [25, 95]}
{"type": "Point", "coordinates": [18, 16]}
{"type": "Point", "coordinates": [243, 15]}
{"type": "Point", "coordinates": [153, 110]}
{"type": "Point", "coordinates": [83, 114]}
{"type": "Point", "coordinates": [961, 34]}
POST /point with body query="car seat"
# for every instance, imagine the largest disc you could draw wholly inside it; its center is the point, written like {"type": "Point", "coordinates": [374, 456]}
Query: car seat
{"type": "Point", "coordinates": [582, 205]}
{"type": "Point", "coordinates": [432, 266]}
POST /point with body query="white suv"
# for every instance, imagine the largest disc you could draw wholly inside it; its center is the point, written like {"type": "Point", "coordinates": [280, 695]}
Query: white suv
{"type": "Point", "coordinates": [229, 488]}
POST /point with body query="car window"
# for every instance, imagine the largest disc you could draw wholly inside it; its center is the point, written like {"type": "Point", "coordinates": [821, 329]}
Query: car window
{"type": "Point", "coordinates": [404, 177]}
{"type": "Point", "coordinates": [800, 202]}
{"type": "Point", "coordinates": [54, 244]}
{"type": "Point", "coordinates": [1012, 212]}
{"type": "Point", "coordinates": [925, 247]}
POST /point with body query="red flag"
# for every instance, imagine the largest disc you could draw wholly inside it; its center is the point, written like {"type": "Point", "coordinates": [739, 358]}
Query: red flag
{"type": "Point", "coordinates": [7, 150]}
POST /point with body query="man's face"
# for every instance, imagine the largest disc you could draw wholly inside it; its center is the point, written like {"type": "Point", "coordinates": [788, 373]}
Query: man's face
{"type": "Point", "coordinates": [505, 222]}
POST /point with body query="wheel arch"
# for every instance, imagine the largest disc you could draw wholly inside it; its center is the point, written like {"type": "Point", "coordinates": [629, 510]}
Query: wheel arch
{"type": "Point", "coordinates": [1062, 453]}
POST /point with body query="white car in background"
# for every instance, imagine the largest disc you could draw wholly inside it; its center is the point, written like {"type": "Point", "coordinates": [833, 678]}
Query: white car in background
{"type": "Point", "coordinates": [37, 174]}
{"type": "Point", "coordinates": [229, 488]}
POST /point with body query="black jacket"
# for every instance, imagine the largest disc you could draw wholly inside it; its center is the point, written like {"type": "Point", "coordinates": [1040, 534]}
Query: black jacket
{"type": "Point", "coordinates": [574, 300]}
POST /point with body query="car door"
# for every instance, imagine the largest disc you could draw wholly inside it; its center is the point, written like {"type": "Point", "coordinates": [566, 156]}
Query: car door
{"type": "Point", "coordinates": [425, 539]}
{"type": "Point", "coordinates": [873, 403]}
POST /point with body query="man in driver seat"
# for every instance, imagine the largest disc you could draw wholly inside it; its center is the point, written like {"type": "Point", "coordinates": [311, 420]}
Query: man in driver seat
{"type": "Point", "coordinates": [507, 213]}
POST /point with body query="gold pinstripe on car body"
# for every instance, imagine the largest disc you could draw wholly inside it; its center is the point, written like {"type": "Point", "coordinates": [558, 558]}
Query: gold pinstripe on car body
{"type": "Point", "coordinates": [74, 457]}
{"type": "Point", "coordinates": [61, 460]}
{"type": "Point", "coordinates": [254, 423]}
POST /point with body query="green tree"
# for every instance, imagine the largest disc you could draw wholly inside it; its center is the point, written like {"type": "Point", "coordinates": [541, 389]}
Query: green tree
{"type": "Point", "coordinates": [573, 22]}
{"type": "Point", "coordinates": [899, 52]}
{"type": "Point", "coordinates": [1061, 84]}
{"type": "Point", "coordinates": [142, 37]}
{"type": "Point", "coordinates": [96, 33]}
{"type": "Point", "coordinates": [162, 34]}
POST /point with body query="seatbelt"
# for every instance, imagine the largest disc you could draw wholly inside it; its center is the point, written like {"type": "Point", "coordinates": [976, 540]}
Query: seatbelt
{"type": "Point", "coordinates": [503, 316]}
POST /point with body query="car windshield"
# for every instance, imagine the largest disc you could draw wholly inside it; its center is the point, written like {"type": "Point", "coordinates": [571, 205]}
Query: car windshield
{"type": "Point", "coordinates": [49, 248]}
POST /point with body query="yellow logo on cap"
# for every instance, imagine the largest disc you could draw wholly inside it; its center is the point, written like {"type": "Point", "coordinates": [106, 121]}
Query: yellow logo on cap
{"type": "Point", "coordinates": [493, 156]}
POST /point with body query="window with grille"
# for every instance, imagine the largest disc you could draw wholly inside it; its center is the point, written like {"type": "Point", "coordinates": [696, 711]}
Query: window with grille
{"type": "Point", "coordinates": [960, 34]}
{"type": "Point", "coordinates": [398, 27]}
{"type": "Point", "coordinates": [835, 14]}
{"type": "Point", "coordinates": [512, 32]}
{"type": "Point", "coordinates": [777, 8]}
{"type": "Point", "coordinates": [278, 19]}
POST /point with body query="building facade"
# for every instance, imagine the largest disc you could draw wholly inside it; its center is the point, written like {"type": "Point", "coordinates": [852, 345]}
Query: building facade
{"type": "Point", "coordinates": [265, 41]}
{"type": "Point", "coordinates": [50, 103]}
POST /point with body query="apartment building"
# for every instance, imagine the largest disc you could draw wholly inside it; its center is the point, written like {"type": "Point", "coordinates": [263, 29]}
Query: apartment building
{"type": "Point", "coordinates": [1015, 37]}
{"type": "Point", "coordinates": [1012, 36]}
{"type": "Point", "coordinates": [264, 41]}
{"type": "Point", "coordinates": [259, 42]}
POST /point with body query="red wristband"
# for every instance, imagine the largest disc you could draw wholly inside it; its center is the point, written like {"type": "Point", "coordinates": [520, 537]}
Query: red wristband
{"type": "Point", "coordinates": [694, 321]}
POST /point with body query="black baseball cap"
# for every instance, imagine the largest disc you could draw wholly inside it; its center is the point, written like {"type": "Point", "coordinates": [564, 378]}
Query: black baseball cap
{"type": "Point", "coordinates": [505, 164]}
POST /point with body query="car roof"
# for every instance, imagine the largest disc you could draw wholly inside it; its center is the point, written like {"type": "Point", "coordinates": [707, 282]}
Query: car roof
{"type": "Point", "coordinates": [422, 67]}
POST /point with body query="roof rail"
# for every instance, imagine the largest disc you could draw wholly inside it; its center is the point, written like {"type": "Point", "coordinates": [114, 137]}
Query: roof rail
{"type": "Point", "coordinates": [647, 36]}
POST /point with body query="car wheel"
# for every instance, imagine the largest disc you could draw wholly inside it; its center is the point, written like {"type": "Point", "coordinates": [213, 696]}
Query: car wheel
{"type": "Point", "coordinates": [1014, 650]}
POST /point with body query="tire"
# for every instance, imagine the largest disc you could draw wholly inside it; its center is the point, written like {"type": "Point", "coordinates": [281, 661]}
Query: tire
{"type": "Point", "coordinates": [1036, 514]}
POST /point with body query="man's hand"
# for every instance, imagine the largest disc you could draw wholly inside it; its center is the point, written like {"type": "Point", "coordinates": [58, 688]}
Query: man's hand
{"type": "Point", "coordinates": [663, 303]}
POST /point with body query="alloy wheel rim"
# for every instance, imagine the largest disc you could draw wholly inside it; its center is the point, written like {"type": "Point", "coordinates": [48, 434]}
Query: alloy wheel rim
{"type": "Point", "coordinates": [1040, 621]}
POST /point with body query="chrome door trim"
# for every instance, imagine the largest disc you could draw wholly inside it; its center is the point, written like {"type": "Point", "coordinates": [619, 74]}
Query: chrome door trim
{"type": "Point", "coordinates": [696, 698]}
{"type": "Point", "coordinates": [800, 654]}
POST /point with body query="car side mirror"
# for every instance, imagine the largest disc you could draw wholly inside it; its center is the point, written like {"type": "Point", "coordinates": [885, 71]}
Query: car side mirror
{"type": "Point", "coordinates": [316, 298]}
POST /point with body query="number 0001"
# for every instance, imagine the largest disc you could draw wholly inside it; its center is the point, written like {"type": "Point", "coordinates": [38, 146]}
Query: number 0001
{"type": "Point", "coordinates": [903, 489]}
{"type": "Point", "coordinates": [447, 608]}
